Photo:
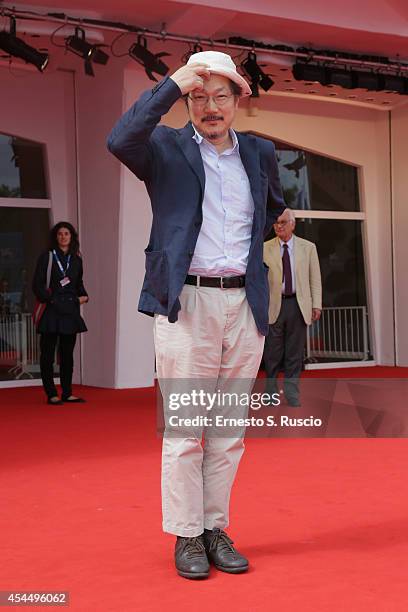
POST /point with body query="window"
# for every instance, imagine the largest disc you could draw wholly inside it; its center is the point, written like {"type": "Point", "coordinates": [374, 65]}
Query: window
{"type": "Point", "coordinates": [340, 247]}
{"type": "Point", "coordinates": [23, 236]}
{"type": "Point", "coordinates": [315, 182]}
{"type": "Point", "coordinates": [324, 192]}
{"type": "Point", "coordinates": [22, 168]}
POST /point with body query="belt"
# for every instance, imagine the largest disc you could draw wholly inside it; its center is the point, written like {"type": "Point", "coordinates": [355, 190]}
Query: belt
{"type": "Point", "coordinates": [286, 297]}
{"type": "Point", "coordinates": [224, 282]}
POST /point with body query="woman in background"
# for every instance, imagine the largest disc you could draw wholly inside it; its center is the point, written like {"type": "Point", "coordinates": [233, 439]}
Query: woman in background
{"type": "Point", "coordinates": [61, 320]}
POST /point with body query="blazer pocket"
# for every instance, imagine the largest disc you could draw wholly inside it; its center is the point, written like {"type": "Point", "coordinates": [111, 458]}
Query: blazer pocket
{"type": "Point", "coordinates": [156, 280]}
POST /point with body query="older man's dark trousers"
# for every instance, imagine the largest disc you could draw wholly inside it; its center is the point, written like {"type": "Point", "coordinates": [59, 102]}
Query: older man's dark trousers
{"type": "Point", "coordinates": [284, 349]}
{"type": "Point", "coordinates": [66, 344]}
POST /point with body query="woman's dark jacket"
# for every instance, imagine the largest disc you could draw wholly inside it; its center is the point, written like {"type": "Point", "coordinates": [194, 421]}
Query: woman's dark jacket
{"type": "Point", "coordinates": [62, 314]}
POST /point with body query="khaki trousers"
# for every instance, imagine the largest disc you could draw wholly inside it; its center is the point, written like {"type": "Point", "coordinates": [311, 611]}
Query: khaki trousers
{"type": "Point", "coordinates": [215, 338]}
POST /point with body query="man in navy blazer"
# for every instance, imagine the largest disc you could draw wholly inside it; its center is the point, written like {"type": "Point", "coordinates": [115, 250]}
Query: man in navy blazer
{"type": "Point", "coordinates": [214, 194]}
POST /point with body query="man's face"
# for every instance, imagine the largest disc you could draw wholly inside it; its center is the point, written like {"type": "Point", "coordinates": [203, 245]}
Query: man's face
{"type": "Point", "coordinates": [284, 230]}
{"type": "Point", "coordinates": [212, 119]}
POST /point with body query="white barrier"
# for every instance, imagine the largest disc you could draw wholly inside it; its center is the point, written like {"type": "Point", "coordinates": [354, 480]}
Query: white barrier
{"type": "Point", "coordinates": [19, 345]}
{"type": "Point", "coordinates": [10, 343]}
{"type": "Point", "coordinates": [340, 333]}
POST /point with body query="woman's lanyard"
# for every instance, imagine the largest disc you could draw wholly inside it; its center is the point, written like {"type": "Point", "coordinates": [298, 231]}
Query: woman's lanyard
{"type": "Point", "coordinates": [65, 280]}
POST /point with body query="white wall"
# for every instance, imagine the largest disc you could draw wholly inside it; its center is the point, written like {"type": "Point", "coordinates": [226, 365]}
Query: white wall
{"type": "Point", "coordinates": [99, 103]}
{"type": "Point", "coordinates": [399, 150]}
{"type": "Point", "coordinates": [135, 351]}
{"type": "Point", "coordinates": [115, 222]}
{"type": "Point", "coordinates": [40, 107]}
{"type": "Point", "coordinates": [354, 135]}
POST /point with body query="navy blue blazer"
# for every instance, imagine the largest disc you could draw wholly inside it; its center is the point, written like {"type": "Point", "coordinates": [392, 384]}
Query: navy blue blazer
{"type": "Point", "coordinates": [169, 162]}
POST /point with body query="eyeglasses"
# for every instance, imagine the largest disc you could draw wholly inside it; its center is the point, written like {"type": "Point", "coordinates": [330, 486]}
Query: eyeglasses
{"type": "Point", "coordinates": [281, 223]}
{"type": "Point", "coordinates": [201, 100]}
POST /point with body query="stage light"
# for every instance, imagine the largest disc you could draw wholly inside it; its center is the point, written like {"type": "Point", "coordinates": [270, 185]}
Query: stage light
{"type": "Point", "coordinates": [337, 76]}
{"type": "Point", "coordinates": [255, 73]}
{"type": "Point", "coordinates": [350, 79]}
{"type": "Point", "coordinates": [16, 47]}
{"type": "Point", "coordinates": [367, 80]}
{"type": "Point", "coordinates": [310, 72]}
{"type": "Point", "coordinates": [254, 88]}
{"type": "Point", "coordinates": [151, 62]}
{"type": "Point", "coordinates": [391, 82]}
{"type": "Point", "coordinates": [266, 82]}
{"type": "Point", "coordinates": [78, 44]}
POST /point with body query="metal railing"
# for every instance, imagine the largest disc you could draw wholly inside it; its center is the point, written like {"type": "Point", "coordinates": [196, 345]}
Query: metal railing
{"type": "Point", "coordinates": [340, 333]}
{"type": "Point", "coordinates": [19, 345]}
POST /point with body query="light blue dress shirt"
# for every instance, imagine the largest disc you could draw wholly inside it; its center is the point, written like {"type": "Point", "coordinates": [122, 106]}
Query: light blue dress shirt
{"type": "Point", "coordinates": [225, 237]}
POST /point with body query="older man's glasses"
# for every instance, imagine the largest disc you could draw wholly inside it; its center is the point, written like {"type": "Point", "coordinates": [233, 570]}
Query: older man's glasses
{"type": "Point", "coordinates": [220, 100]}
{"type": "Point", "coordinates": [281, 223]}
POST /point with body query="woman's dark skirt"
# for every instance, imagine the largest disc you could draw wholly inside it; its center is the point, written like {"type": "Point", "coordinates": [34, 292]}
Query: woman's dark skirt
{"type": "Point", "coordinates": [55, 322]}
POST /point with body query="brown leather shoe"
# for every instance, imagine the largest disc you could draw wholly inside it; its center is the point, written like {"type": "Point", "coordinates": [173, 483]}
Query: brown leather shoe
{"type": "Point", "coordinates": [191, 558]}
{"type": "Point", "coordinates": [221, 552]}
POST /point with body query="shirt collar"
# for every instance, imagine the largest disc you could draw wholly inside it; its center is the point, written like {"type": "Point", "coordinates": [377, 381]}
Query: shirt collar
{"type": "Point", "coordinates": [199, 139]}
{"type": "Point", "coordinates": [289, 243]}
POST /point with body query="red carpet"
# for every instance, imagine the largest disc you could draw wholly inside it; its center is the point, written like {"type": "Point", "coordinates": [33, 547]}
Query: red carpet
{"type": "Point", "coordinates": [324, 522]}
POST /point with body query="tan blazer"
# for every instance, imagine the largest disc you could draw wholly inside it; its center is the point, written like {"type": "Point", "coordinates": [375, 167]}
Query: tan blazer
{"type": "Point", "coordinates": [307, 275]}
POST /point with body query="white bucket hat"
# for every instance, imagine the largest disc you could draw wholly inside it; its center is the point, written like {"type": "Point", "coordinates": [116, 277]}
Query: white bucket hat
{"type": "Point", "coordinates": [221, 63]}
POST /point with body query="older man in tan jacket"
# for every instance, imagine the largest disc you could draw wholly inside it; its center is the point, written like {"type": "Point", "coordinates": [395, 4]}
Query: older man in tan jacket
{"type": "Point", "coordinates": [295, 301]}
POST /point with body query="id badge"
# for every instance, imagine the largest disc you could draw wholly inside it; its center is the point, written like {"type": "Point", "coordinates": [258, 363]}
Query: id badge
{"type": "Point", "coordinates": [65, 281]}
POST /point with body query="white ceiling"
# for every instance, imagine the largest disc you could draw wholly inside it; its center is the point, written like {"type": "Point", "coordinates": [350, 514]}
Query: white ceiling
{"type": "Point", "coordinates": [371, 26]}
{"type": "Point", "coordinates": [377, 27]}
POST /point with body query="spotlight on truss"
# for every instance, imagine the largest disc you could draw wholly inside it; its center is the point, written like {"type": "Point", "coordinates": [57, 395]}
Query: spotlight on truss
{"type": "Point", "coordinates": [78, 44]}
{"type": "Point", "coordinates": [316, 73]}
{"type": "Point", "coordinates": [252, 69]}
{"type": "Point", "coordinates": [16, 47]}
{"type": "Point", "coordinates": [151, 62]}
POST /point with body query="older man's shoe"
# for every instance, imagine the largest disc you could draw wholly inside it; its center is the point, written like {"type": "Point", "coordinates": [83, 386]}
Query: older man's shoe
{"type": "Point", "coordinates": [222, 554]}
{"type": "Point", "coordinates": [191, 558]}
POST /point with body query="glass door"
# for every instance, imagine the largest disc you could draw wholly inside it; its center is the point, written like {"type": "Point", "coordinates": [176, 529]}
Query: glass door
{"type": "Point", "coordinates": [24, 226]}
{"type": "Point", "coordinates": [37, 189]}
{"type": "Point", "coordinates": [324, 193]}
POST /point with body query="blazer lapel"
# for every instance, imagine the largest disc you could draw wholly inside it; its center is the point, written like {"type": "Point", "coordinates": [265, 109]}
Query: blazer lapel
{"type": "Point", "coordinates": [298, 255]}
{"type": "Point", "coordinates": [250, 157]}
{"type": "Point", "coordinates": [191, 152]}
{"type": "Point", "coordinates": [276, 254]}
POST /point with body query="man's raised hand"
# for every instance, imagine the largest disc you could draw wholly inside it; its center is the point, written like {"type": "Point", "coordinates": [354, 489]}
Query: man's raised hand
{"type": "Point", "coordinates": [287, 215]}
{"type": "Point", "coordinates": [191, 77]}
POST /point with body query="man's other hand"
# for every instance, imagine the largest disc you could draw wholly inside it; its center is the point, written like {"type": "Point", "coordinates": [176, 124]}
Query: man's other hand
{"type": "Point", "coordinates": [285, 216]}
{"type": "Point", "coordinates": [316, 312]}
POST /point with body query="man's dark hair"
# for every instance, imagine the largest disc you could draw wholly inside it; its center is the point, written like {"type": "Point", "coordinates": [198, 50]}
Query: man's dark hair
{"type": "Point", "coordinates": [73, 245]}
{"type": "Point", "coordinates": [235, 88]}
